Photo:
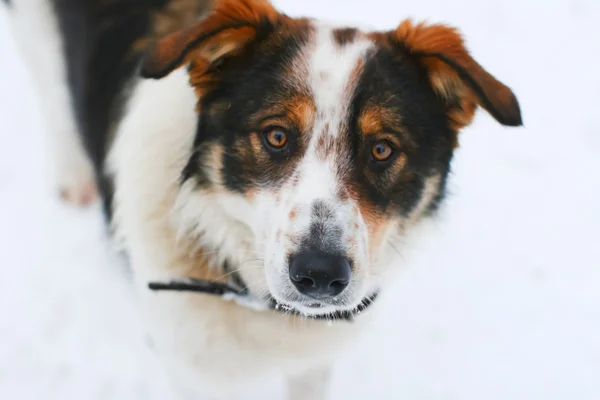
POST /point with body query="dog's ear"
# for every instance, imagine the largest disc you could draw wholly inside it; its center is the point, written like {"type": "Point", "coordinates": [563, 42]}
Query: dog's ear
{"type": "Point", "coordinates": [225, 31]}
{"type": "Point", "coordinates": [457, 78]}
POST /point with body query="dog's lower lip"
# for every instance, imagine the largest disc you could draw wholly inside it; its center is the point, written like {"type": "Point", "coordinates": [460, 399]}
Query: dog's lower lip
{"type": "Point", "coordinates": [297, 307]}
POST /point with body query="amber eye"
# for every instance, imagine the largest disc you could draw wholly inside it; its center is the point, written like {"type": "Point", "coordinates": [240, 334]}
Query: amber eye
{"type": "Point", "coordinates": [276, 137]}
{"type": "Point", "coordinates": [382, 151]}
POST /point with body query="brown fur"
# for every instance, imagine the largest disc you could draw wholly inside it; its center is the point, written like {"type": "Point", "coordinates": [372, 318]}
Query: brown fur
{"type": "Point", "coordinates": [457, 78]}
{"type": "Point", "coordinates": [376, 120]}
{"type": "Point", "coordinates": [294, 113]}
{"type": "Point", "coordinates": [230, 25]}
{"type": "Point", "coordinates": [438, 44]}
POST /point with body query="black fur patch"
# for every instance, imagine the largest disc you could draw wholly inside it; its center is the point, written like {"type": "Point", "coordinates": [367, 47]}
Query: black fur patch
{"type": "Point", "coordinates": [395, 82]}
{"type": "Point", "coordinates": [247, 84]}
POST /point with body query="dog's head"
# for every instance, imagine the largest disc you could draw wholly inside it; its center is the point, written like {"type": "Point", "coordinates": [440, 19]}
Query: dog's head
{"type": "Point", "coordinates": [318, 147]}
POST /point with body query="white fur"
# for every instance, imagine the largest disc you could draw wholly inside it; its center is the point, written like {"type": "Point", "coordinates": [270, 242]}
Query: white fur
{"type": "Point", "coordinates": [36, 30]}
{"type": "Point", "coordinates": [330, 69]}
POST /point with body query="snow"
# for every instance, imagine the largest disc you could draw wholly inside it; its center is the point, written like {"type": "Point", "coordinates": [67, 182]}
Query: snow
{"type": "Point", "coordinates": [502, 303]}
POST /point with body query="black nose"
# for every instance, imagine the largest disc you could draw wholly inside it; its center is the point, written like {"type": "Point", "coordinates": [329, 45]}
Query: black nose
{"type": "Point", "coordinates": [320, 275]}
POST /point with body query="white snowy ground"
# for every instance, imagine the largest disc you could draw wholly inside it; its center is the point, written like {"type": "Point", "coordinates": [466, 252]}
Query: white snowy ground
{"type": "Point", "coordinates": [503, 304]}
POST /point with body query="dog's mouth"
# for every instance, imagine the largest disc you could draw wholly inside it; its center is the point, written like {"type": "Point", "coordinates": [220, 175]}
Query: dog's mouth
{"type": "Point", "coordinates": [322, 311]}
{"type": "Point", "coordinates": [313, 310]}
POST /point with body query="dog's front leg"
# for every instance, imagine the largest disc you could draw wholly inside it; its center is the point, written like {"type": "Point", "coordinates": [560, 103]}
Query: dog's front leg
{"type": "Point", "coordinates": [312, 385]}
{"type": "Point", "coordinates": [40, 41]}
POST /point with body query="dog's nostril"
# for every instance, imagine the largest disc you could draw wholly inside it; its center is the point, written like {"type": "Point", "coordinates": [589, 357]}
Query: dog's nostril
{"type": "Point", "coordinates": [320, 275]}
{"type": "Point", "coordinates": [338, 285]}
{"type": "Point", "coordinates": [303, 282]}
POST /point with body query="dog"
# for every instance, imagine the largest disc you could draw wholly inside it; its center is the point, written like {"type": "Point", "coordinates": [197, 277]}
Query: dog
{"type": "Point", "coordinates": [230, 143]}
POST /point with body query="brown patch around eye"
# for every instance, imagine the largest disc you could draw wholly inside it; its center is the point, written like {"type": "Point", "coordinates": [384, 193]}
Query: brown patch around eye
{"type": "Point", "coordinates": [394, 170]}
{"type": "Point", "coordinates": [376, 119]}
{"type": "Point", "coordinates": [302, 112]}
{"type": "Point", "coordinates": [293, 113]}
{"type": "Point", "coordinates": [369, 121]}
{"type": "Point", "coordinates": [386, 126]}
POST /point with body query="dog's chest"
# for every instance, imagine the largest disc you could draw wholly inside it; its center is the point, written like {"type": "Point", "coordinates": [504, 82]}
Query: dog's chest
{"type": "Point", "coordinates": [204, 337]}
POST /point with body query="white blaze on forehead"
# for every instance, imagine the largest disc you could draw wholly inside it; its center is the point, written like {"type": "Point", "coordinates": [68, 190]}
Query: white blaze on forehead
{"type": "Point", "coordinates": [331, 79]}
{"type": "Point", "coordinates": [317, 180]}
{"type": "Point", "coordinates": [330, 69]}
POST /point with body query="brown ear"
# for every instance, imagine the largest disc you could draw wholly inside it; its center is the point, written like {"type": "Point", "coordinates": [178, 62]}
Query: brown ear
{"type": "Point", "coordinates": [456, 76]}
{"type": "Point", "coordinates": [224, 31]}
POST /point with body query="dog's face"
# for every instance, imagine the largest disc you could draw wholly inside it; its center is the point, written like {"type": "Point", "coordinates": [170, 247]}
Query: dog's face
{"type": "Point", "coordinates": [317, 147]}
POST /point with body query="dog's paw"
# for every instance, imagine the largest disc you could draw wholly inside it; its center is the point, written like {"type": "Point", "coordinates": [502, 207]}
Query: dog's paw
{"type": "Point", "coordinates": [79, 194]}
{"type": "Point", "coordinates": [76, 183]}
